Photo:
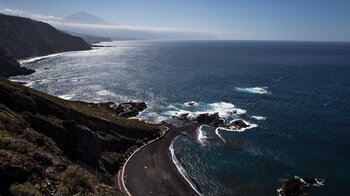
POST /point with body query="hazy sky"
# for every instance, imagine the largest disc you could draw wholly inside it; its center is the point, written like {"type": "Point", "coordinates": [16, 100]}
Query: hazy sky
{"type": "Point", "coordinates": [326, 20]}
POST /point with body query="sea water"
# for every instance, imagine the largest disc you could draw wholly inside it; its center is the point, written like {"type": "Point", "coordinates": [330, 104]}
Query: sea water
{"type": "Point", "coordinates": [296, 96]}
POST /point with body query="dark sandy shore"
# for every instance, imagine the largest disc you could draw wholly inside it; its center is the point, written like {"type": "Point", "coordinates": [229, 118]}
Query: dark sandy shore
{"type": "Point", "coordinates": [152, 172]}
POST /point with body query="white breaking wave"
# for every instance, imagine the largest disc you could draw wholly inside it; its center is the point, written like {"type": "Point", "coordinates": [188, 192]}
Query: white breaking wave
{"type": "Point", "coordinates": [254, 90]}
{"type": "Point", "coordinates": [201, 137]}
{"type": "Point", "coordinates": [258, 117]}
{"type": "Point", "coordinates": [26, 83]}
{"type": "Point", "coordinates": [224, 110]}
{"type": "Point", "coordinates": [106, 93]}
{"type": "Point", "coordinates": [218, 134]}
{"type": "Point", "coordinates": [39, 58]}
{"type": "Point", "coordinates": [151, 117]}
{"type": "Point", "coordinates": [180, 168]}
{"type": "Point", "coordinates": [66, 96]}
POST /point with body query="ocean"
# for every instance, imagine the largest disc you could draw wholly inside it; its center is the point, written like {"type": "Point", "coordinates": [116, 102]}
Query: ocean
{"type": "Point", "coordinates": [295, 96]}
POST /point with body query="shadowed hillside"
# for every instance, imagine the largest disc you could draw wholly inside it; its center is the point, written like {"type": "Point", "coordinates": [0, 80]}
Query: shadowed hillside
{"type": "Point", "coordinates": [10, 67]}
{"type": "Point", "coordinates": [23, 37]}
{"type": "Point", "coordinates": [49, 145]}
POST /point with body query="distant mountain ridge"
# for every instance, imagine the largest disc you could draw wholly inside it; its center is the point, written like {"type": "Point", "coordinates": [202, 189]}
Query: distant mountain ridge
{"type": "Point", "coordinates": [84, 17]}
{"type": "Point", "coordinates": [24, 37]}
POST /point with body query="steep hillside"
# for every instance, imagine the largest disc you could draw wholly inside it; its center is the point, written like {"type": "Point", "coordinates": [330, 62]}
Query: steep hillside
{"type": "Point", "coordinates": [23, 37]}
{"type": "Point", "coordinates": [53, 146]}
{"type": "Point", "coordinates": [10, 67]}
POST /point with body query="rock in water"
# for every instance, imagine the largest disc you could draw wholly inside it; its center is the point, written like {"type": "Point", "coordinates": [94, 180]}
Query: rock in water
{"type": "Point", "coordinates": [237, 124]}
{"type": "Point", "coordinates": [295, 186]}
{"type": "Point", "coordinates": [213, 120]}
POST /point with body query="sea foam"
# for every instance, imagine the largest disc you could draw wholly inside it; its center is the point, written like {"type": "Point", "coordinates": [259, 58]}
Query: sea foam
{"type": "Point", "coordinates": [254, 90]}
{"type": "Point", "coordinates": [180, 168]}
{"type": "Point", "coordinates": [66, 96]}
{"type": "Point", "coordinates": [224, 109]}
{"type": "Point", "coordinates": [258, 117]}
{"type": "Point", "coordinates": [39, 58]}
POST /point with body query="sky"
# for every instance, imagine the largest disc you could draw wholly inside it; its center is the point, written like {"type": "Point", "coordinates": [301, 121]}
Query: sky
{"type": "Point", "coordinates": [313, 20]}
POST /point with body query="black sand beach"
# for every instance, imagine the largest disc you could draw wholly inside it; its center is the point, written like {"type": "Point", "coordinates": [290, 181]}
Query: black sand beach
{"type": "Point", "coordinates": [152, 172]}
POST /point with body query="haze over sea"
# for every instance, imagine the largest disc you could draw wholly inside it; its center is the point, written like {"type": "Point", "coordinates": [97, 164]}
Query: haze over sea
{"type": "Point", "coordinates": [296, 94]}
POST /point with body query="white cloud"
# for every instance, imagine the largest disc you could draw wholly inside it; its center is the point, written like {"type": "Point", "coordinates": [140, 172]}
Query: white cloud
{"type": "Point", "coordinates": [115, 29]}
{"type": "Point", "coordinates": [15, 12]}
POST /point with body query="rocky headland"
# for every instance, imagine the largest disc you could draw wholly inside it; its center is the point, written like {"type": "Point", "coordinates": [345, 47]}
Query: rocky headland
{"type": "Point", "coordinates": [9, 66]}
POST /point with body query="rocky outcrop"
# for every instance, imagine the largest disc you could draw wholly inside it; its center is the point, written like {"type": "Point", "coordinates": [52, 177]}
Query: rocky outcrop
{"type": "Point", "coordinates": [10, 67]}
{"type": "Point", "coordinates": [237, 124]}
{"type": "Point", "coordinates": [296, 186]}
{"type": "Point", "coordinates": [51, 144]}
{"type": "Point", "coordinates": [213, 120]}
{"type": "Point", "coordinates": [126, 110]}
{"type": "Point", "coordinates": [24, 37]}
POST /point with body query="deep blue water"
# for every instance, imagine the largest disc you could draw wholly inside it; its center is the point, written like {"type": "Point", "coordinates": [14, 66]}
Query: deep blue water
{"type": "Point", "coordinates": [305, 98]}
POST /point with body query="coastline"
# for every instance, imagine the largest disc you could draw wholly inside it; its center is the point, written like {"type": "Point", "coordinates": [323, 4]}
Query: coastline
{"type": "Point", "coordinates": [120, 175]}
{"type": "Point", "coordinates": [179, 185]}
{"type": "Point", "coordinates": [151, 171]}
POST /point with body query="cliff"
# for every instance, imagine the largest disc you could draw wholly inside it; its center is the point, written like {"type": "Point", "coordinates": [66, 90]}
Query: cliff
{"type": "Point", "coordinates": [24, 37]}
{"type": "Point", "coordinates": [10, 67]}
{"type": "Point", "coordinates": [54, 146]}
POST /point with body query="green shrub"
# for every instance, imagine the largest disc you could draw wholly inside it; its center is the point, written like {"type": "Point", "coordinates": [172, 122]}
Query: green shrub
{"type": "Point", "coordinates": [78, 180]}
{"type": "Point", "coordinates": [24, 190]}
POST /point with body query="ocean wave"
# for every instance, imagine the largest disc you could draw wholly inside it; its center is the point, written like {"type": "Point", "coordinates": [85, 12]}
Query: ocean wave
{"type": "Point", "coordinates": [106, 93]}
{"type": "Point", "coordinates": [201, 137]}
{"type": "Point", "coordinates": [258, 117]}
{"type": "Point", "coordinates": [66, 96]}
{"type": "Point", "coordinates": [219, 135]}
{"type": "Point", "coordinates": [180, 168]}
{"type": "Point", "coordinates": [254, 90]}
{"type": "Point", "coordinates": [25, 83]}
{"type": "Point", "coordinates": [151, 117]}
{"type": "Point", "coordinates": [36, 59]}
{"type": "Point", "coordinates": [224, 110]}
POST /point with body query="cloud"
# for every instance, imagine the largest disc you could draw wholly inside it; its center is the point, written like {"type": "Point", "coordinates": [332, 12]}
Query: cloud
{"type": "Point", "coordinates": [15, 12]}
{"type": "Point", "coordinates": [125, 31]}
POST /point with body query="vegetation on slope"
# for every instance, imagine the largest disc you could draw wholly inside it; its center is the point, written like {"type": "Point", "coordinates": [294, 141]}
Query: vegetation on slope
{"type": "Point", "coordinates": [53, 146]}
